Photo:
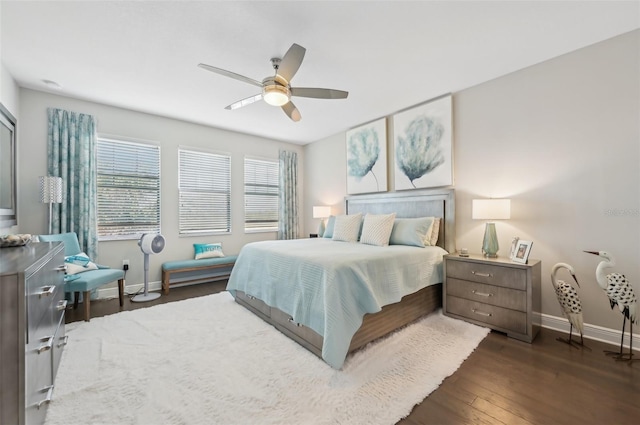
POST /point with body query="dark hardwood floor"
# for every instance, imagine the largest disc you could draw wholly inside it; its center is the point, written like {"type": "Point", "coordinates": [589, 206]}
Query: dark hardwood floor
{"type": "Point", "coordinates": [504, 381]}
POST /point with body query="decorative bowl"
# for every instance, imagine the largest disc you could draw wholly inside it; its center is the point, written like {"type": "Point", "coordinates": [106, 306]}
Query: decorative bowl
{"type": "Point", "coordinates": [7, 241]}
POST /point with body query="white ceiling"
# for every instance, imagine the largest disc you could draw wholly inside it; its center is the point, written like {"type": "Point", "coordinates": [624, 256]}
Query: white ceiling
{"type": "Point", "coordinates": [388, 55]}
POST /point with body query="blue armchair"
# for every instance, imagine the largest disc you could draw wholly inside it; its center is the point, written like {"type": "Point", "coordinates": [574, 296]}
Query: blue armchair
{"type": "Point", "coordinates": [86, 281]}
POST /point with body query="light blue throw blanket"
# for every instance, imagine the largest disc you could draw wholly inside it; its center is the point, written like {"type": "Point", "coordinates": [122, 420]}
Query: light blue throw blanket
{"type": "Point", "coordinates": [329, 286]}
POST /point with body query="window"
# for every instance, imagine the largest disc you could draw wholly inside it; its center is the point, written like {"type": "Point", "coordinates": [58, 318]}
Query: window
{"type": "Point", "coordinates": [128, 189]}
{"type": "Point", "coordinates": [205, 192]}
{"type": "Point", "coordinates": [260, 195]}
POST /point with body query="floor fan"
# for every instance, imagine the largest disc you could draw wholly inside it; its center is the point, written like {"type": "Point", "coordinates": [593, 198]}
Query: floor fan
{"type": "Point", "coordinates": [149, 244]}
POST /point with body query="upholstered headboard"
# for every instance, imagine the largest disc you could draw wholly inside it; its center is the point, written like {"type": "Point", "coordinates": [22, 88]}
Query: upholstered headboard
{"type": "Point", "coordinates": [411, 204]}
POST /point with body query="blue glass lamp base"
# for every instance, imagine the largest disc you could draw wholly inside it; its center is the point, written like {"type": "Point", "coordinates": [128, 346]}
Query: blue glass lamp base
{"type": "Point", "coordinates": [321, 228]}
{"type": "Point", "coordinates": [490, 244]}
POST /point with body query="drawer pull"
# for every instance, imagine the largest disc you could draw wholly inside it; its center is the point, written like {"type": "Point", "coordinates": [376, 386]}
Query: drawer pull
{"type": "Point", "coordinates": [47, 399]}
{"type": "Point", "coordinates": [481, 313]}
{"type": "Point", "coordinates": [482, 294]}
{"type": "Point", "coordinates": [46, 291]}
{"type": "Point", "coordinates": [62, 268]}
{"type": "Point", "coordinates": [62, 305]}
{"type": "Point", "coordinates": [64, 341]}
{"type": "Point", "coordinates": [481, 274]}
{"type": "Point", "coordinates": [48, 343]}
{"type": "Point", "coordinates": [290, 319]}
{"type": "Point", "coordinates": [251, 297]}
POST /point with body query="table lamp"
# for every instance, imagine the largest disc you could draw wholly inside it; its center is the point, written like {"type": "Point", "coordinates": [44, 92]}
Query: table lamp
{"type": "Point", "coordinates": [321, 212]}
{"type": "Point", "coordinates": [491, 209]}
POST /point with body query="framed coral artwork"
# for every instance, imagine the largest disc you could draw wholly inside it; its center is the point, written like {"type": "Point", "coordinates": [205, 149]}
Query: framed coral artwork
{"type": "Point", "coordinates": [423, 145]}
{"type": "Point", "coordinates": [367, 158]}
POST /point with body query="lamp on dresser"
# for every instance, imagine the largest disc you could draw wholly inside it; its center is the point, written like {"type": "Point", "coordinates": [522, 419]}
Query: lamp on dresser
{"type": "Point", "coordinates": [321, 212]}
{"type": "Point", "coordinates": [491, 209]}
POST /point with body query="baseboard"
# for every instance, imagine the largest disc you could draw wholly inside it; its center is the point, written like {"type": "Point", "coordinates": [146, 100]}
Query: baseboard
{"type": "Point", "coordinates": [597, 333]}
{"type": "Point", "coordinates": [109, 293]}
{"type": "Point", "coordinates": [132, 289]}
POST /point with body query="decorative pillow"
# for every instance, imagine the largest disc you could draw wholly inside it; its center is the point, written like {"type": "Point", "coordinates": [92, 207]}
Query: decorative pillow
{"type": "Point", "coordinates": [207, 250]}
{"type": "Point", "coordinates": [376, 229]}
{"type": "Point", "coordinates": [79, 263]}
{"type": "Point", "coordinates": [347, 227]}
{"type": "Point", "coordinates": [435, 231]}
{"type": "Point", "coordinates": [411, 231]}
{"type": "Point", "coordinates": [328, 231]}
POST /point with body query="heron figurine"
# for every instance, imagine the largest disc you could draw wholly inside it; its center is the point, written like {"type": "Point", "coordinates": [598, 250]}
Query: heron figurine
{"type": "Point", "coordinates": [620, 293]}
{"type": "Point", "coordinates": [569, 302]}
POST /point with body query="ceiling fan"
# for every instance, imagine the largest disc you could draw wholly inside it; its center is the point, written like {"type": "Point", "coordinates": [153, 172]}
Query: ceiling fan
{"type": "Point", "coordinates": [276, 89]}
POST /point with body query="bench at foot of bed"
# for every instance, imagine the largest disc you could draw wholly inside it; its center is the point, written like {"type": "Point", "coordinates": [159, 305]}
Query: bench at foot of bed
{"type": "Point", "coordinates": [185, 272]}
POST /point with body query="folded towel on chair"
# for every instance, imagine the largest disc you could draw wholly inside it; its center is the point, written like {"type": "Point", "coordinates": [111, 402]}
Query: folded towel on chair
{"type": "Point", "coordinates": [79, 263]}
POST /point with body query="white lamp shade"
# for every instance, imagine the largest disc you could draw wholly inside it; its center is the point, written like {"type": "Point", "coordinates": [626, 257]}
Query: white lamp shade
{"type": "Point", "coordinates": [491, 209]}
{"type": "Point", "coordinates": [50, 189]}
{"type": "Point", "coordinates": [321, 212]}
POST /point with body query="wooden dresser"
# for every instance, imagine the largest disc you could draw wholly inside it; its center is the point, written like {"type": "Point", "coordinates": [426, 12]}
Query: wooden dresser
{"type": "Point", "coordinates": [32, 334]}
{"type": "Point", "coordinates": [494, 292]}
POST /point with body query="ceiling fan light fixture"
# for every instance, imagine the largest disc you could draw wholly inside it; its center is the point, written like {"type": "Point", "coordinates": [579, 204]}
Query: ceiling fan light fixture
{"type": "Point", "coordinates": [276, 95]}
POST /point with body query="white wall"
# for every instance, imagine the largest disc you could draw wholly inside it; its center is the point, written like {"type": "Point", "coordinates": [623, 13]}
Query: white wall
{"type": "Point", "coordinates": [170, 134]}
{"type": "Point", "coordinates": [325, 169]}
{"type": "Point", "coordinates": [562, 140]}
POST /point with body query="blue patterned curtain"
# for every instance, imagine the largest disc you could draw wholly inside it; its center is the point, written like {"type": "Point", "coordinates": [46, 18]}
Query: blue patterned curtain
{"type": "Point", "coordinates": [288, 215]}
{"type": "Point", "coordinates": [71, 149]}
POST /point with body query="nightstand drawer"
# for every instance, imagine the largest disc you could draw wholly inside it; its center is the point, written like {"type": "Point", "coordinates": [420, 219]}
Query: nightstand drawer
{"type": "Point", "coordinates": [488, 294]}
{"type": "Point", "coordinates": [508, 277]}
{"type": "Point", "coordinates": [501, 318]}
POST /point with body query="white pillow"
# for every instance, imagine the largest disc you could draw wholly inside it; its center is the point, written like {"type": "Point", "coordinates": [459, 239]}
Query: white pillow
{"type": "Point", "coordinates": [432, 238]}
{"type": "Point", "coordinates": [347, 227]}
{"type": "Point", "coordinates": [377, 229]}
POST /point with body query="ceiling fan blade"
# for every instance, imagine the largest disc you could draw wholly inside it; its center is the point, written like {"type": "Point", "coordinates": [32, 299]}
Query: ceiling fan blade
{"type": "Point", "coordinates": [291, 111]}
{"type": "Point", "coordinates": [230, 74]}
{"type": "Point", "coordinates": [291, 62]}
{"type": "Point", "coordinates": [244, 102]}
{"type": "Point", "coordinates": [319, 93]}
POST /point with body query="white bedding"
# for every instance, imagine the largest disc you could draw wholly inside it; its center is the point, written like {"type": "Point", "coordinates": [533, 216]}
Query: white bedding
{"type": "Point", "coordinates": [329, 286]}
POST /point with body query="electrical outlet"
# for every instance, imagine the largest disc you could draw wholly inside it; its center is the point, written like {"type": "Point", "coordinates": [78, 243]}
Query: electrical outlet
{"type": "Point", "coordinates": [125, 265]}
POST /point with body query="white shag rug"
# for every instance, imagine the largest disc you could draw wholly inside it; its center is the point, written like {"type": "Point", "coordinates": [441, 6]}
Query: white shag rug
{"type": "Point", "coordinates": [208, 360]}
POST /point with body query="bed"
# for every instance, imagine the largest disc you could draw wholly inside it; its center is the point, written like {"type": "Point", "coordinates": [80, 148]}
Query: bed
{"type": "Point", "coordinates": [335, 297]}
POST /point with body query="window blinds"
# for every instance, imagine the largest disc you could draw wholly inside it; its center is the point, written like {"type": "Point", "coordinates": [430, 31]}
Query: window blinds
{"type": "Point", "coordinates": [260, 195]}
{"type": "Point", "coordinates": [128, 189]}
{"type": "Point", "coordinates": [205, 192]}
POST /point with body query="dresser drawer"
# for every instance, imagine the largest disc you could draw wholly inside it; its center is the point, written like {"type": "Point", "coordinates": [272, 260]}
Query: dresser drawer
{"type": "Point", "coordinates": [59, 342]}
{"type": "Point", "coordinates": [39, 370]}
{"type": "Point", "coordinates": [45, 291]}
{"type": "Point", "coordinates": [501, 318]}
{"type": "Point", "coordinates": [508, 277]}
{"type": "Point", "coordinates": [513, 299]}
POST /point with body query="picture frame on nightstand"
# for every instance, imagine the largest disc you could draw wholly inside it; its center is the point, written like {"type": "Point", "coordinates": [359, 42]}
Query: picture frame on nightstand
{"type": "Point", "coordinates": [521, 253]}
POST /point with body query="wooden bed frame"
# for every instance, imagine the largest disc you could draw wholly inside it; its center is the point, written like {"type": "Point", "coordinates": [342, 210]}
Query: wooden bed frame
{"type": "Point", "coordinates": [410, 204]}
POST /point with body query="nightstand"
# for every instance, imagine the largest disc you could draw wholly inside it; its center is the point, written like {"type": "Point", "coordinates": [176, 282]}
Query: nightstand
{"type": "Point", "coordinates": [493, 292]}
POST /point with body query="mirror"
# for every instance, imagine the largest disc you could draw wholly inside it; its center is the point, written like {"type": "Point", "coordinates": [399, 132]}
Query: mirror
{"type": "Point", "coordinates": [8, 215]}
